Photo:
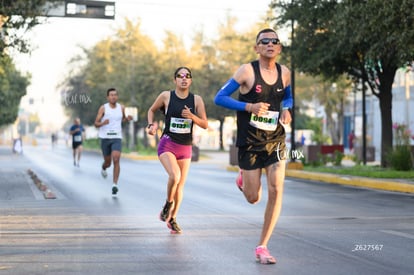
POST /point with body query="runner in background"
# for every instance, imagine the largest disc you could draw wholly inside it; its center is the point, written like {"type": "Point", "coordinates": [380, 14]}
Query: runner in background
{"type": "Point", "coordinates": [78, 133]}
{"type": "Point", "coordinates": [109, 121]}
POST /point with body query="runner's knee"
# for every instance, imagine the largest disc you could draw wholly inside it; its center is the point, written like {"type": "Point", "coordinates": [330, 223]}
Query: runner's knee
{"type": "Point", "coordinates": [174, 177]}
{"type": "Point", "coordinates": [252, 198]}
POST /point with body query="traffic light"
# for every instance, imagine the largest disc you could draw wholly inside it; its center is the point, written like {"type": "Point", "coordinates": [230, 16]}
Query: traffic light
{"type": "Point", "coordinates": [81, 9]}
{"type": "Point", "coordinates": [90, 9]}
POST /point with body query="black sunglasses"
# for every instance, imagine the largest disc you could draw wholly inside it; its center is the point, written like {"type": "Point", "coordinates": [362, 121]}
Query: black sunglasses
{"type": "Point", "coordinates": [265, 41]}
{"type": "Point", "coordinates": [183, 75]}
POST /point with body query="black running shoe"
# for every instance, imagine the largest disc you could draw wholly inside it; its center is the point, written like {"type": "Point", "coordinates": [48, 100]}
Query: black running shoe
{"type": "Point", "coordinates": [114, 190]}
{"type": "Point", "coordinates": [173, 225]}
{"type": "Point", "coordinates": [165, 212]}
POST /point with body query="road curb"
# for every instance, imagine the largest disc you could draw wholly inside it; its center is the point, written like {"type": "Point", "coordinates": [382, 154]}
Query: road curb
{"type": "Point", "coordinates": [47, 193]}
{"type": "Point", "coordinates": [380, 184]}
{"type": "Point", "coordinates": [138, 157]}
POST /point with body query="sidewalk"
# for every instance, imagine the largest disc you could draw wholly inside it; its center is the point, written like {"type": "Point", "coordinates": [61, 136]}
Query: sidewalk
{"type": "Point", "coordinates": [17, 180]}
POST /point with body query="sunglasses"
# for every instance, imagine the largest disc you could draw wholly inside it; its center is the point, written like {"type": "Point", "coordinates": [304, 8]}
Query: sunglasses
{"type": "Point", "coordinates": [265, 41]}
{"type": "Point", "coordinates": [183, 75]}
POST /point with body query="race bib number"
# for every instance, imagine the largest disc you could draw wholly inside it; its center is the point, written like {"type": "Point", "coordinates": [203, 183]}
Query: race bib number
{"type": "Point", "coordinates": [267, 121]}
{"type": "Point", "coordinates": [112, 133]}
{"type": "Point", "coordinates": [77, 138]}
{"type": "Point", "coordinates": [180, 125]}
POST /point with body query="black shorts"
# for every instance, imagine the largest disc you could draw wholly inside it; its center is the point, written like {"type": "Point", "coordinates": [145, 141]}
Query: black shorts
{"type": "Point", "coordinates": [250, 158]}
{"type": "Point", "coordinates": [110, 144]}
{"type": "Point", "coordinates": [76, 144]}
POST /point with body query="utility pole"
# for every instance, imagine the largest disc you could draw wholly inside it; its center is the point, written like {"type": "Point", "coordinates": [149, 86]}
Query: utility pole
{"type": "Point", "coordinates": [364, 125]}
{"type": "Point", "coordinates": [292, 87]}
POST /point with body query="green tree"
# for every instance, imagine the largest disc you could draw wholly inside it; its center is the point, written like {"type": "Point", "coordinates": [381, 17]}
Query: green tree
{"type": "Point", "coordinates": [12, 87]}
{"type": "Point", "coordinates": [16, 18]}
{"type": "Point", "coordinates": [135, 68]}
{"type": "Point", "coordinates": [229, 51]}
{"type": "Point", "coordinates": [131, 62]}
{"type": "Point", "coordinates": [125, 61]}
{"type": "Point", "coordinates": [302, 120]}
{"type": "Point", "coordinates": [89, 81]}
{"type": "Point", "coordinates": [312, 91]}
{"type": "Point", "coordinates": [368, 39]}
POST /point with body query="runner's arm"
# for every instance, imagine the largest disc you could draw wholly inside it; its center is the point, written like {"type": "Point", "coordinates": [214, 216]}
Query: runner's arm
{"type": "Point", "coordinates": [99, 116]}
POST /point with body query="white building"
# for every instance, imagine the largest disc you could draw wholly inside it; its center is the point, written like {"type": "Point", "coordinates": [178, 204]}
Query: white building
{"type": "Point", "coordinates": [402, 110]}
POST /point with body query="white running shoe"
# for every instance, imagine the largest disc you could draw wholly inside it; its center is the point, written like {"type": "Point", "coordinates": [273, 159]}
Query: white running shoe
{"type": "Point", "coordinates": [104, 173]}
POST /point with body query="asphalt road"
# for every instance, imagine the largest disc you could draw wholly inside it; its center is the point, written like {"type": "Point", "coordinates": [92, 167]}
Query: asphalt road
{"type": "Point", "coordinates": [323, 229]}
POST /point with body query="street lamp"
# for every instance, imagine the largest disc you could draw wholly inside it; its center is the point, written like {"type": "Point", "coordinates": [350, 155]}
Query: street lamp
{"type": "Point", "coordinates": [292, 86]}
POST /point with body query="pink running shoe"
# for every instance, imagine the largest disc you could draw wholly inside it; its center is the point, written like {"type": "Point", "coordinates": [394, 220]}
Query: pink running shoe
{"type": "Point", "coordinates": [173, 225]}
{"type": "Point", "coordinates": [263, 256]}
{"type": "Point", "coordinates": [239, 181]}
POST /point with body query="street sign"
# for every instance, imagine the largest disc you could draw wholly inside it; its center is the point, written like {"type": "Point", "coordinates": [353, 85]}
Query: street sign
{"type": "Point", "coordinates": [132, 111]}
{"type": "Point", "coordinates": [81, 9]}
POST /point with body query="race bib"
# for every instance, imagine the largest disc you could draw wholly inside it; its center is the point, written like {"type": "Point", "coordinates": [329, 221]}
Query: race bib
{"type": "Point", "coordinates": [77, 138]}
{"type": "Point", "coordinates": [112, 133]}
{"type": "Point", "coordinates": [267, 121]}
{"type": "Point", "coordinates": [180, 125]}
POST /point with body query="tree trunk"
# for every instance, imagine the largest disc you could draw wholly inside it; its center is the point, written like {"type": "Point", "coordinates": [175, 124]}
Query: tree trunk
{"type": "Point", "coordinates": [385, 102]}
{"type": "Point", "coordinates": [332, 128]}
{"type": "Point", "coordinates": [135, 137]}
{"type": "Point", "coordinates": [340, 125]}
{"type": "Point", "coordinates": [221, 134]}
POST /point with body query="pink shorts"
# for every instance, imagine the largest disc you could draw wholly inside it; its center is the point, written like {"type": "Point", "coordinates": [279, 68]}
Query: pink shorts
{"type": "Point", "coordinates": [178, 150]}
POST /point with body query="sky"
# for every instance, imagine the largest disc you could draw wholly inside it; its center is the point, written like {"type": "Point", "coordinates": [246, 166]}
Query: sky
{"type": "Point", "coordinates": [57, 41]}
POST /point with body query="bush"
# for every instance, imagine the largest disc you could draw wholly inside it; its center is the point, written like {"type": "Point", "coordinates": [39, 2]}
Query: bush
{"type": "Point", "coordinates": [320, 160]}
{"type": "Point", "coordinates": [401, 159]}
{"type": "Point", "coordinates": [92, 143]}
{"type": "Point", "coordinates": [355, 159]}
{"type": "Point", "coordinates": [337, 158]}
